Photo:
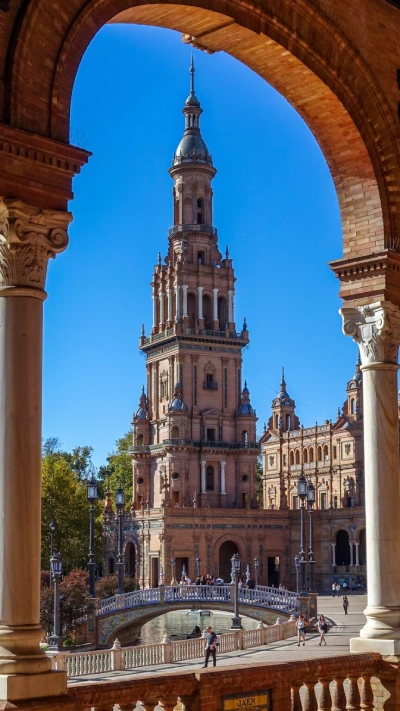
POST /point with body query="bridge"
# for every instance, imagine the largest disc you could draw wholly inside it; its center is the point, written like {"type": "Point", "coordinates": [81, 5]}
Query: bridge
{"type": "Point", "coordinates": [123, 615]}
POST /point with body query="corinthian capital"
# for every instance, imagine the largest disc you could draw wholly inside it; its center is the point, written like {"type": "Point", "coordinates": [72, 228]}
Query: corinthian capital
{"type": "Point", "coordinates": [376, 329]}
{"type": "Point", "coordinates": [29, 237]}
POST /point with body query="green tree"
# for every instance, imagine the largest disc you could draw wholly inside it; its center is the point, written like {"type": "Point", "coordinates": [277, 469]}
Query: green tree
{"type": "Point", "coordinates": [118, 470]}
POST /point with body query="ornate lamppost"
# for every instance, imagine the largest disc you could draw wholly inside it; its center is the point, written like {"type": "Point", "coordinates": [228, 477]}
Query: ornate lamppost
{"type": "Point", "coordinates": [120, 502]}
{"type": "Point", "coordinates": [235, 573]}
{"type": "Point", "coordinates": [311, 561]}
{"type": "Point", "coordinates": [56, 640]}
{"type": "Point", "coordinates": [173, 563]}
{"type": "Point", "coordinates": [297, 566]}
{"type": "Point", "coordinates": [92, 494]}
{"type": "Point", "coordinates": [198, 561]}
{"type": "Point", "coordinates": [256, 569]}
{"type": "Point", "coordinates": [52, 532]}
{"type": "Point", "coordinates": [302, 493]}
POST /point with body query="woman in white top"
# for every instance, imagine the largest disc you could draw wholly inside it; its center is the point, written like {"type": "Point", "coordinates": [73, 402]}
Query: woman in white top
{"type": "Point", "coordinates": [301, 630]}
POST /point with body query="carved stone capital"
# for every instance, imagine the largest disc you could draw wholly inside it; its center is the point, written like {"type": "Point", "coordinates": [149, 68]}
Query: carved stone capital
{"type": "Point", "coordinates": [29, 237]}
{"type": "Point", "coordinates": [376, 329]}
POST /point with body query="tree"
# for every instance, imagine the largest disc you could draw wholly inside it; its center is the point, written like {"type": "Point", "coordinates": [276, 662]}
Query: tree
{"type": "Point", "coordinates": [118, 470]}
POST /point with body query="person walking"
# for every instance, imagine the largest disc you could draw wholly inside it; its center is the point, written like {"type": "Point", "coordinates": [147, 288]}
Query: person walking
{"type": "Point", "coordinates": [322, 629]}
{"type": "Point", "coordinates": [337, 589]}
{"type": "Point", "coordinates": [301, 630]}
{"type": "Point", "coordinates": [211, 646]}
{"type": "Point", "coordinates": [333, 589]}
{"type": "Point", "coordinates": [345, 604]}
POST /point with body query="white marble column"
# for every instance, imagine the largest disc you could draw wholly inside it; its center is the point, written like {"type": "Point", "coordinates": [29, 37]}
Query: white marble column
{"type": "Point", "coordinates": [169, 305]}
{"type": "Point", "coordinates": [357, 554]}
{"type": "Point", "coordinates": [162, 316]}
{"type": "Point", "coordinates": [28, 239]}
{"type": "Point", "coordinates": [376, 328]}
{"type": "Point", "coordinates": [215, 304]}
{"type": "Point", "coordinates": [184, 300]}
{"type": "Point", "coordinates": [351, 552]}
{"type": "Point", "coordinates": [333, 553]}
{"type": "Point", "coordinates": [200, 301]}
{"type": "Point", "coordinates": [177, 302]}
{"type": "Point", "coordinates": [230, 306]}
{"type": "Point", "coordinates": [154, 298]}
{"type": "Point", "coordinates": [223, 465]}
{"type": "Point", "coordinates": [203, 476]}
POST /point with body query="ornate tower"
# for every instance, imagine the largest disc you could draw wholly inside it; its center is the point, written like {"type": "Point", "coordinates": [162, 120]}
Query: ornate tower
{"type": "Point", "coordinates": [194, 434]}
{"type": "Point", "coordinates": [353, 407]}
{"type": "Point", "coordinates": [283, 416]}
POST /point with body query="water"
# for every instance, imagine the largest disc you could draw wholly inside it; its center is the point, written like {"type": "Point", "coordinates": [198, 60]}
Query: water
{"type": "Point", "coordinates": [178, 624]}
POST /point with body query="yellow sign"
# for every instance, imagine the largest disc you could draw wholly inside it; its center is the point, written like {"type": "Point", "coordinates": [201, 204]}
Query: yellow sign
{"type": "Point", "coordinates": [257, 701]}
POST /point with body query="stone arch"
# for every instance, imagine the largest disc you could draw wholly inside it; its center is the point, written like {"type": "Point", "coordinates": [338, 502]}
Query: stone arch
{"type": "Point", "coordinates": [293, 45]}
{"type": "Point", "coordinates": [130, 558]}
{"type": "Point", "coordinates": [225, 553]}
{"type": "Point", "coordinates": [342, 547]}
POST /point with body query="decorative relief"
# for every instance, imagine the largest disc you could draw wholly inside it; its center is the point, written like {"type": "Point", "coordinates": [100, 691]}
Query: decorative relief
{"type": "Point", "coordinates": [376, 328]}
{"type": "Point", "coordinates": [28, 239]}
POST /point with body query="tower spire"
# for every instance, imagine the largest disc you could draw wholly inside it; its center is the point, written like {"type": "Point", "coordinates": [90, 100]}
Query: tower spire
{"type": "Point", "coordinates": [283, 384]}
{"type": "Point", "coordinates": [192, 72]}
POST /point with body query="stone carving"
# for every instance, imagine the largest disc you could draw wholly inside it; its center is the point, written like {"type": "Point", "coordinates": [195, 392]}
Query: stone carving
{"type": "Point", "coordinates": [376, 328]}
{"type": "Point", "coordinates": [28, 239]}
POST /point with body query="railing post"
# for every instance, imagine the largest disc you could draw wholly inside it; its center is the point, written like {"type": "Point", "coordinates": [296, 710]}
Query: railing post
{"type": "Point", "coordinates": [367, 695]}
{"type": "Point", "coordinates": [353, 700]}
{"type": "Point", "coordinates": [296, 704]}
{"type": "Point", "coordinates": [161, 589]}
{"type": "Point", "coordinates": [338, 697]}
{"type": "Point", "coordinates": [310, 701]}
{"type": "Point", "coordinates": [324, 701]}
{"type": "Point", "coordinates": [116, 654]}
{"type": "Point", "coordinates": [167, 649]}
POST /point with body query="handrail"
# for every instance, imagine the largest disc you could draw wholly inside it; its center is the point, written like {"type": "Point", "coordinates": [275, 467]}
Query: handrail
{"type": "Point", "coordinates": [143, 448]}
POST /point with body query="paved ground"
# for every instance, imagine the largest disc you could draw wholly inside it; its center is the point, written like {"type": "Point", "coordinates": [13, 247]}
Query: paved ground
{"type": "Point", "coordinates": [343, 628]}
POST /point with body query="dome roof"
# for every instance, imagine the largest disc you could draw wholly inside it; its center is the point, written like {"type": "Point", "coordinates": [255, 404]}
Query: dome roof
{"type": "Point", "coordinates": [246, 409]}
{"type": "Point", "coordinates": [192, 100]}
{"type": "Point", "coordinates": [177, 402]}
{"type": "Point", "coordinates": [192, 147]}
{"type": "Point", "coordinates": [140, 414]}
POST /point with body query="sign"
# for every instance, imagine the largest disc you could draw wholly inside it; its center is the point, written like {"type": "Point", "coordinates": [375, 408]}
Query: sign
{"type": "Point", "coordinates": [256, 701]}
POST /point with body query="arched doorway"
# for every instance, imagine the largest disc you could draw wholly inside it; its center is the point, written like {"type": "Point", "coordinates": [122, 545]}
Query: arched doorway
{"type": "Point", "coordinates": [342, 548]}
{"type": "Point", "coordinates": [362, 548]}
{"type": "Point", "coordinates": [130, 559]}
{"type": "Point", "coordinates": [226, 551]}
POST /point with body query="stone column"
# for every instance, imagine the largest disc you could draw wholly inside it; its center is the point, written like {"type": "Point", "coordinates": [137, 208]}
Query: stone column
{"type": "Point", "coordinates": [215, 308]}
{"type": "Point", "coordinates": [333, 553]}
{"type": "Point", "coordinates": [177, 302]}
{"type": "Point", "coordinates": [162, 317]}
{"type": "Point", "coordinates": [28, 239]}
{"type": "Point", "coordinates": [223, 465]}
{"type": "Point", "coordinates": [169, 306]}
{"type": "Point", "coordinates": [351, 552]}
{"type": "Point", "coordinates": [184, 304]}
{"type": "Point", "coordinates": [203, 476]}
{"type": "Point", "coordinates": [154, 310]}
{"type": "Point", "coordinates": [357, 557]}
{"type": "Point", "coordinates": [200, 302]}
{"type": "Point", "coordinates": [376, 328]}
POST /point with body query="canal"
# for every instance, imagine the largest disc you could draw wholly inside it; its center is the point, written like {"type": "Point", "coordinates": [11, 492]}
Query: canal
{"type": "Point", "coordinates": [180, 623]}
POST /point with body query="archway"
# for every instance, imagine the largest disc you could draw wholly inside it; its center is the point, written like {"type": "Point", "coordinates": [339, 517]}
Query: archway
{"type": "Point", "coordinates": [130, 559]}
{"type": "Point", "coordinates": [342, 548]}
{"type": "Point", "coordinates": [226, 551]}
{"type": "Point", "coordinates": [362, 548]}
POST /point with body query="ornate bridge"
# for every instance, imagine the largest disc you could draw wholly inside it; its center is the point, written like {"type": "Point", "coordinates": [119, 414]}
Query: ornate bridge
{"type": "Point", "coordinates": [129, 612]}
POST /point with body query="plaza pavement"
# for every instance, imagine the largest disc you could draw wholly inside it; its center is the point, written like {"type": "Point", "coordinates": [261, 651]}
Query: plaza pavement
{"type": "Point", "coordinates": [343, 628]}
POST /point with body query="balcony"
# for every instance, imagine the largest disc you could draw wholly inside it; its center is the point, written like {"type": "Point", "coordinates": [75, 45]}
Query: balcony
{"type": "Point", "coordinates": [205, 444]}
{"type": "Point", "coordinates": [210, 385]}
{"type": "Point", "coordinates": [176, 229]}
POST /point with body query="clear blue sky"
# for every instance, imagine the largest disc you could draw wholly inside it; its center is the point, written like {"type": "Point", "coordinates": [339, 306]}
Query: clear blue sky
{"type": "Point", "coordinates": [274, 204]}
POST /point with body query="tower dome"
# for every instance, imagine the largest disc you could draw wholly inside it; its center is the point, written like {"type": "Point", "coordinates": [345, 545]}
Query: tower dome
{"type": "Point", "coordinates": [192, 146]}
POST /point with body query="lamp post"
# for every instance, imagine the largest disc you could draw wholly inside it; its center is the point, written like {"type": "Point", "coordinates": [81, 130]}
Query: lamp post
{"type": "Point", "coordinates": [248, 574]}
{"type": "Point", "coordinates": [120, 501]}
{"type": "Point", "coordinates": [198, 561]}
{"type": "Point", "coordinates": [173, 563]}
{"type": "Point", "coordinates": [56, 640]}
{"type": "Point", "coordinates": [302, 493]}
{"type": "Point", "coordinates": [92, 494]}
{"type": "Point", "coordinates": [311, 561]}
{"type": "Point", "coordinates": [256, 569]}
{"type": "Point", "coordinates": [297, 566]}
{"type": "Point", "coordinates": [52, 532]}
{"type": "Point", "coordinates": [235, 572]}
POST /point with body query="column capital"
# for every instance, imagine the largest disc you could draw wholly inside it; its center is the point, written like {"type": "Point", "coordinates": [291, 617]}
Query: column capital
{"type": "Point", "coordinates": [376, 329]}
{"type": "Point", "coordinates": [29, 237]}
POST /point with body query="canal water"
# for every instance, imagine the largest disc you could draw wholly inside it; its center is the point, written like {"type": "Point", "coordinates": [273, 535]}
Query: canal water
{"type": "Point", "coordinates": [179, 623]}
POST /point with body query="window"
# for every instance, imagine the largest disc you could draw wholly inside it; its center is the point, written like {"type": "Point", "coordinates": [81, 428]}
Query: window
{"type": "Point", "coordinates": [209, 377]}
{"type": "Point", "coordinates": [284, 460]}
{"type": "Point", "coordinates": [291, 458]}
{"type": "Point", "coordinates": [323, 501]}
{"type": "Point", "coordinates": [352, 406]}
{"type": "Point", "coordinates": [175, 432]}
{"type": "Point", "coordinates": [200, 211]}
{"type": "Point", "coordinates": [319, 454]}
{"type": "Point", "coordinates": [210, 478]}
{"type": "Point", "coordinates": [288, 422]}
{"type": "Point", "coordinates": [276, 421]}
{"type": "Point", "coordinates": [295, 502]}
{"type": "Point", "coordinates": [210, 435]}
{"type": "Point", "coordinates": [305, 456]}
{"type": "Point", "coordinates": [297, 456]}
{"type": "Point", "coordinates": [140, 440]}
{"type": "Point", "coordinates": [335, 452]}
{"type": "Point", "coordinates": [311, 454]}
{"type": "Point", "coordinates": [245, 437]}
{"type": "Point", "coordinates": [326, 452]}
{"type": "Point", "coordinates": [201, 258]}
{"type": "Point", "coordinates": [335, 502]}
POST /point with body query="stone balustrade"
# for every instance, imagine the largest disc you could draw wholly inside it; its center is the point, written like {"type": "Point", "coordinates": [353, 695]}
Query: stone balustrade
{"type": "Point", "coordinates": [78, 664]}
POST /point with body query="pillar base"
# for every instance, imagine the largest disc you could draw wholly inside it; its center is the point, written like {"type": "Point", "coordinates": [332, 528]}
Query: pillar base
{"type": "Point", "coordinates": [385, 647]}
{"type": "Point", "coordinates": [21, 687]}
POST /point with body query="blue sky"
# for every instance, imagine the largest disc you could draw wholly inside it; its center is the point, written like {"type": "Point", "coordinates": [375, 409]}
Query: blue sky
{"type": "Point", "coordinates": [274, 205]}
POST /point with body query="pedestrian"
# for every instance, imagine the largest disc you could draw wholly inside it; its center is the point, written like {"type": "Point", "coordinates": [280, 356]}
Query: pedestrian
{"type": "Point", "coordinates": [211, 646]}
{"type": "Point", "coordinates": [251, 584]}
{"type": "Point", "coordinates": [333, 589]}
{"type": "Point", "coordinates": [322, 629]}
{"type": "Point", "coordinates": [338, 589]}
{"type": "Point", "coordinates": [345, 604]}
{"type": "Point", "coordinates": [301, 630]}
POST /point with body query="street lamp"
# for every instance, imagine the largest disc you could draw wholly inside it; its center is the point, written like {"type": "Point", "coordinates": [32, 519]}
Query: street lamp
{"type": "Point", "coordinates": [92, 494]}
{"type": "Point", "coordinates": [235, 572]}
{"type": "Point", "coordinates": [297, 566]}
{"type": "Point", "coordinates": [198, 561]}
{"type": "Point", "coordinates": [56, 640]}
{"type": "Point", "coordinates": [311, 561]}
{"type": "Point", "coordinates": [173, 563]}
{"type": "Point", "coordinates": [120, 502]}
{"type": "Point", "coordinates": [256, 569]}
{"type": "Point", "coordinates": [52, 532]}
{"type": "Point", "coordinates": [248, 574]}
{"type": "Point", "coordinates": [302, 493]}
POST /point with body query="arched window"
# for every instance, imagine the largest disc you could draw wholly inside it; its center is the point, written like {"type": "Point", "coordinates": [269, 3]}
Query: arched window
{"type": "Point", "coordinates": [319, 454]}
{"type": "Point", "coordinates": [276, 421]}
{"type": "Point", "coordinates": [297, 456]}
{"type": "Point", "coordinates": [311, 454]}
{"type": "Point", "coordinates": [140, 440]}
{"type": "Point", "coordinates": [210, 478]}
{"type": "Point", "coordinates": [207, 311]}
{"type": "Point", "coordinates": [222, 317]}
{"type": "Point", "coordinates": [352, 406]}
{"type": "Point", "coordinates": [200, 211]}
{"type": "Point", "coordinates": [326, 452]}
{"type": "Point", "coordinates": [305, 456]}
{"type": "Point", "coordinates": [288, 421]}
{"type": "Point", "coordinates": [291, 458]}
{"type": "Point", "coordinates": [175, 432]}
{"type": "Point", "coordinates": [245, 437]}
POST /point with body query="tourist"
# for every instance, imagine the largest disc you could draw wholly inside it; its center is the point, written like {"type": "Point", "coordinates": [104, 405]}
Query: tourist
{"type": "Point", "coordinates": [322, 629]}
{"type": "Point", "coordinates": [333, 589]}
{"type": "Point", "coordinates": [338, 589]}
{"type": "Point", "coordinates": [251, 584]}
{"type": "Point", "coordinates": [301, 630]}
{"type": "Point", "coordinates": [345, 604]}
{"type": "Point", "coordinates": [211, 646]}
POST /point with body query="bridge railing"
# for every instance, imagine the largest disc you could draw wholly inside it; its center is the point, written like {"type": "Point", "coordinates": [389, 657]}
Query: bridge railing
{"type": "Point", "coordinates": [262, 596]}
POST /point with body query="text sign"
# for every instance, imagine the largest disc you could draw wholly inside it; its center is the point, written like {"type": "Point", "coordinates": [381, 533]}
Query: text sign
{"type": "Point", "coordinates": [257, 701]}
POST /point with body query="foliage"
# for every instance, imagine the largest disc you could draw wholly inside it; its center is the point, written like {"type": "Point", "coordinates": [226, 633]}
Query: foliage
{"type": "Point", "coordinates": [118, 470]}
{"type": "Point", "coordinates": [73, 594]}
{"type": "Point", "coordinates": [107, 586]}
